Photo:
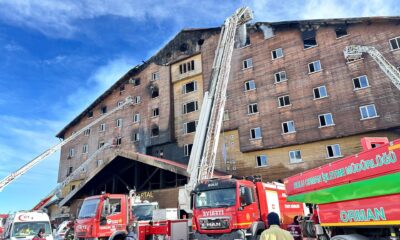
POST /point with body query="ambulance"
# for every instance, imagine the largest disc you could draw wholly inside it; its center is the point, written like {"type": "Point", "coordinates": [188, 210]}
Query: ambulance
{"type": "Point", "coordinates": [26, 224]}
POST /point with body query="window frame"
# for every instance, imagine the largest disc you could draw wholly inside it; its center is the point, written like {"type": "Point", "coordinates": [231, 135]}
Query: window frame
{"type": "Point", "coordinates": [184, 89]}
{"type": "Point", "coordinates": [320, 67]}
{"type": "Point", "coordinates": [324, 116]}
{"type": "Point", "coordinates": [276, 53]}
{"type": "Point", "coordinates": [137, 100]}
{"type": "Point", "coordinates": [259, 160]}
{"type": "Point", "coordinates": [251, 110]}
{"type": "Point", "coordinates": [119, 123]}
{"type": "Point", "coordinates": [187, 149]}
{"type": "Point", "coordinates": [327, 151]}
{"type": "Point", "coordinates": [283, 97]}
{"type": "Point", "coordinates": [295, 160]}
{"type": "Point", "coordinates": [87, 132]}
{"type": "Point", "coordinates": [155, 112]}
{"type": "Point", "coordinates": [319, 92]}
{"type": "Point", "coordinates": [85, 148]}
{"type": "Point", "coordinates": [255, 133]}
{"type": "Point", "coordinates": [71, 152]}
{"type": "Point", "coordinates": [102, 127]}
{"type": "Point", "coordinates": [280, 76]}
{"type": "Point", "coordinates": [136, 118]}
{"type": "Point", "coordinates": [359, 81]}
{"type": "Point", "coordinates": [248, 83]}
{"type": "Point", "coordinates": [288, 132]}
{"type": "Point", "coordinates": [136, 136]}
{"type": "Point", "coordinates": [155, 76]}
{"type": "Point", "coordinates": [397, 39]}
{"type": "Point", "coordinates": [185, 129]}
{"type": "Point", "coordinates": [185, 109]}
{"type": "Point", "coordinates": [246, 65]}
{"type": "Point", "coordinates": [366, 107]}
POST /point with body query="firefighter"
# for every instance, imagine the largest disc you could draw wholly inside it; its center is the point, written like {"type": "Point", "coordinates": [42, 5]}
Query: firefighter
{"type": "Point", "coordinates": [274, 232]}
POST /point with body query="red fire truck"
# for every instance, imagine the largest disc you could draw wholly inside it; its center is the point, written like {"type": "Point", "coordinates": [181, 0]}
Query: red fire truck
{"type": "Point", "coordinates": [106, 216]}
{"type": "Point", "coordinates": [356, 197]}
{"type": "Point", "coordinates": [228, 208]}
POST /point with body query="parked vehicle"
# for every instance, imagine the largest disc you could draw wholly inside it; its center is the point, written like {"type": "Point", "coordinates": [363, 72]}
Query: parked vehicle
{"type": "Point", "coordinates": [3, 218]}
{"type": "Point", "coordinates": [63, 229]}
{"type": "Point", "coordinates": [356, 197]}
{"type": "Point", "coordinates": [26, 224]}
{"type": "Point", "coordinates": [229, 208]}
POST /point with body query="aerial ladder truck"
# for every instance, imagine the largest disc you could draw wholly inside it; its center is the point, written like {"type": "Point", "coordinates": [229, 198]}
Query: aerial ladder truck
{"type": "Point", "coordinates": [25, 168]}
{"type": "Point", "coordinates": [357, 197]}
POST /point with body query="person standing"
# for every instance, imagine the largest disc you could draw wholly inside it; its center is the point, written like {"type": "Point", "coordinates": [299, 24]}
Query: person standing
{"type": "Point", "coordinates": [295, 229]}
{"type": "Point", "coordinates": [274, 232]}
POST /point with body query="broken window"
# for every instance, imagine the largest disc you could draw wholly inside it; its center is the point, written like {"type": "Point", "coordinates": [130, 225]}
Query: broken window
{"type": "Point", "coordinates": [190, 107]}
{"type": "Point", "coordinates": [155, 131]}
{"type": "Point", "coordinates": [187, 149]}
{"type": "Point", "coordinates": [69, 171]}
{"type": "Point", "coordinates": [156, 112]}
{"type": "Point", "coordinates": [309, 40]}
{"type": "Point", "coordinates": [100, 145]}
{"type": "Point", "coordinates": [314, 67]}
{"type": "Point", "coordinates": [118, 141]}
{"type": "Point", "coordinates": [122, 88]}
{"type": "Point", "coordinates": [252, 108]}
{"type": "Point", "coordinates": [190, 127]}
{"type": "Point", "coordinates": [135, 81]}
{"type": "Point", "coordinates": [325, 120]}
{"type": "Point", "coordinates": [186, 67]}
{"type": "Point", "coordinates": [360, 82]}
{"type": "Point", "coordinates": [103, 109]}
{"type": "Point", "coordinates": [189, 87]}
{"type": "Point", "coordinates": [277, 53]}
{"type": "Point", "coordinates": [135, 136]}
{"type": "Point", "coordinates": [288, 127]}
{"type": "Point", "coordinates": [154, 92]}
{"type": "Point", "coordinates": [284, 101]}
{"type": "Point", "coordinates": [341, 31]}
{"type": "Point", "coordinates": [255, 133]}
{"type": "Point", "coordinates": [90, 114]}
{"type": "Point", "coordinates": [280, 77]}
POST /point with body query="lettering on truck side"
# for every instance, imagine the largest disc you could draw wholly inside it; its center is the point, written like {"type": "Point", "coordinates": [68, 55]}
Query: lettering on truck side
{"type": "Point", "coordinates": [363, 215]}
{"type": "Point", "coordinates": [353, 168]}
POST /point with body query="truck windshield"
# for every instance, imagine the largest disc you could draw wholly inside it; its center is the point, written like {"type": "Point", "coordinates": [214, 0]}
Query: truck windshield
{"type": "Point", "coordinates": [24, 229]}
{"type": "Point", "coordinates": [143, 212]}
{"type": "Point", "coordinates": [89, 208]}
{"type": "Point", "coordinates": [216, 198]}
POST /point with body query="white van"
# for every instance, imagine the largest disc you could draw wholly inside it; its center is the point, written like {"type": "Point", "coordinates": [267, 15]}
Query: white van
{"type": "Point", "coordinates": [25, 225]}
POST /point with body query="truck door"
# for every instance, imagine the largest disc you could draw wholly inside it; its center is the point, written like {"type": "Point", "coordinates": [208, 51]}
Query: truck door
{"type": "Point", "coordinates": [249, 211]}
{"type": "Point", "coordinates": [113, 216]}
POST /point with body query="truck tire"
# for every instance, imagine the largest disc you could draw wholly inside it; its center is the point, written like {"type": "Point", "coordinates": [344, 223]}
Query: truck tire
{"type": "Point", "coordinates": [349, 237]}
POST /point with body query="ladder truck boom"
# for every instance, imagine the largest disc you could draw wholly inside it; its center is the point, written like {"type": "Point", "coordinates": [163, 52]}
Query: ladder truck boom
{"type": "Point", "coordinates": [354, 52]}
{"type": "Point", "coordinates": [202, 158]}
{"type": "Point", "coordinates": [11, 177]}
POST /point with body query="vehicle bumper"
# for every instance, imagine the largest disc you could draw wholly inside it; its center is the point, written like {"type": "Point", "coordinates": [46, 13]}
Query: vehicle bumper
{"type": "Point", "coordinates": [238, 234]}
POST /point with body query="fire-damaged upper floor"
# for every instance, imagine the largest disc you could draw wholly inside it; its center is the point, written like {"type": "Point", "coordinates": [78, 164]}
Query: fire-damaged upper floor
{"type": "Point", "coordinates": [290, 84]}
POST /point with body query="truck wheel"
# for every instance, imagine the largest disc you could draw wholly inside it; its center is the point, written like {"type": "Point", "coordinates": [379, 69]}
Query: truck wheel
{"type": "Point", "coordinates": [349, 237]}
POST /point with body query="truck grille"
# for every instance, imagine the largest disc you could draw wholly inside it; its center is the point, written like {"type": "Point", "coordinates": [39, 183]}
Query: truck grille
{"type": "Point", "coordinates": [214, 223]}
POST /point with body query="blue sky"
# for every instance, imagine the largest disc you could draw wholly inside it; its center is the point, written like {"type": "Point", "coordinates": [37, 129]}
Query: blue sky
{"type": "Point", "coordinates": [58, 56]}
